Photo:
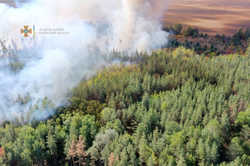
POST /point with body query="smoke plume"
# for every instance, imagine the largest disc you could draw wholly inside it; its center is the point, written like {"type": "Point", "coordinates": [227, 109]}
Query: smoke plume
{"type": "Point", "coordinates": [49, 65]}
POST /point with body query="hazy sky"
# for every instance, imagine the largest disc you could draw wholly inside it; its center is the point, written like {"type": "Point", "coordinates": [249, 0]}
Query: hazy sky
{"type": "Point", "coordinates": [223, 16]}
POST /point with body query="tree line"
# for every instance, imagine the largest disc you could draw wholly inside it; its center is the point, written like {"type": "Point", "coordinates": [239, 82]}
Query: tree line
{"type": "Point", "coordinates": [202, 43]}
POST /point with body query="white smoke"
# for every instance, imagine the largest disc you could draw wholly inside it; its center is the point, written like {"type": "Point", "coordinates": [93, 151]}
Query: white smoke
{"type": "Point", "coordinates": [53, 64]}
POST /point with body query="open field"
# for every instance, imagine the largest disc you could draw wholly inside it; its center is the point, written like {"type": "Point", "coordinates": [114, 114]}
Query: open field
{"type": "Point", "coordinates": [212, 16]}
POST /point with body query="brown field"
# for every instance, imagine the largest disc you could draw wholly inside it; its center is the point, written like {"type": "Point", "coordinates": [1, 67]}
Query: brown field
{"type": "Point", "coordinates": [212, 16]}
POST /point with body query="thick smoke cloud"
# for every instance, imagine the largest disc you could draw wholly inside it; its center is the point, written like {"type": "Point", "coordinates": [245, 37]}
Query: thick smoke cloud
{"type": "Point", "coordinates": [53, 64]}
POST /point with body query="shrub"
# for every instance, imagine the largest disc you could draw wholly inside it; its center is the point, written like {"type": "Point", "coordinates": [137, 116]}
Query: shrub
{"type": "Point", "coordinates": [183, 52]}
{"type": "Point", "coordinates": [248, 50]}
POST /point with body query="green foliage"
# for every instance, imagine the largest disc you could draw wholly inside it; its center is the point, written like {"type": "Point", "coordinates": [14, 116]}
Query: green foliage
{"type": "Point", "coordinates": [205, 44]}
{"type": "Point", "coordinates": [181, 52]}
{"type": "Point", "coordinates": [16, 66]}
{"type": "Point", "coordinates": [244, 118]}
{"type": "Point", "coordinates": [176, 29]}
{"type": "Point", "coordinates": [170, 108]}
{"type": "Point", "coordinates": [189, 31]}
{"type": "Point", "coordinates": [248, 51]}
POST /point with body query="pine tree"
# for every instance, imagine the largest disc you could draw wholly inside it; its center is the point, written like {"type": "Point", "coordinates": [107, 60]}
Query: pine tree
{"type": "Point", "coordinates": [111, 159]}
{"type": "Point", "coordinates": [72, 151]}
{"type": "Point", "coordinates": [80, 152]}
{"type": "Point", "coordinates": [51, 143]}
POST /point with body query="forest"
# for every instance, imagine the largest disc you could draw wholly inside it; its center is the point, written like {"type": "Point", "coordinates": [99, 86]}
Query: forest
{"type": "Point", "coordinates": [210, 45]}
{"type": "Point", "coordinates": [174, 107]}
